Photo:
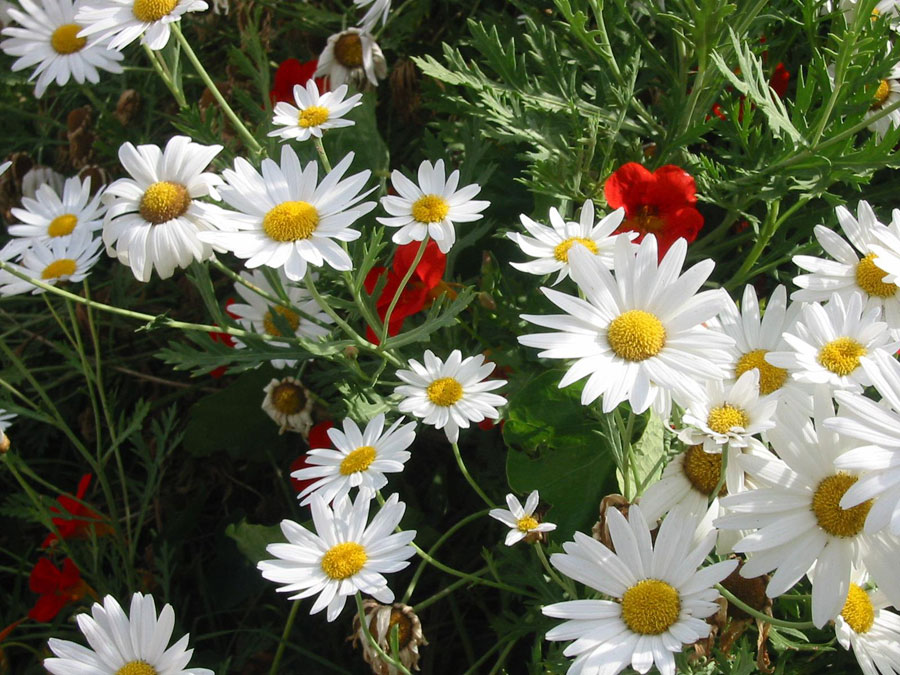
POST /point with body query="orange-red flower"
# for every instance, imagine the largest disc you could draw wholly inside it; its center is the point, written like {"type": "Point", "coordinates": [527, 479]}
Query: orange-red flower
{"type": "Point", "coordinates": [292, 72]}
{"type": "Point", "coordinates": [56, 587]}
{"type": "Point", "coordinates": [318, 438]}
{"type": "Point", "coordinates": [79, 519]}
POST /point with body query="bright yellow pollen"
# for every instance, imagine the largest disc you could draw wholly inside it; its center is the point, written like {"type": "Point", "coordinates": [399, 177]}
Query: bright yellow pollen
{"type": "Point", "coordinates": [881, 94]}
{"type": "Point", "coordinates": [826, 504]}
{"type": "Point", "coordinates": [65, 39]}
{"type": "Point", "coordinates": [771, 378]}
{"type": "Point", "coordinates": [164, 201]}
{"type": "Point", "coordinates": [358, 460]}
{"type": "Point", "coordinates": [430, 209]}
{"type": "Point", "coordinates": [702, 469]}
{"type": "Point", "coordinates": [724, 418]}
{"type": "Point", "coordinates": [348, 50]}
{"type": "Point", "coordinates": [841, 356]}
{"type": "Point", "coordinates": [344, 560]}
{"type": "Point", "coordinates": [64, 267]}
{"type": "Point", "coordinates": [636, 335]}
{"type": "Point", "coordinates": [292, 318]}
{"type": "Point", "coordinates": [858, 611]}
{"type": "Point", "coordinates": [869, 277]}
{"type": "Point", "coordinates": [526, 523]}
{"type": "Point", "coordinates": [288, 398]}
{"type": "Point", "coordinates": [137, 668]}
{"type": "Point", "coordinates": [561, 252]}
{"type": "Point", "coordinates": [152, 10]}
{"type": "Point", "coordinates": [650, 607]}
{"type": "Point", "coordinates": [312, 116]}
{"type": "Point", "coordinates": [291, 221]}
{"type": "Point", "coordinates": [444, 392]}
{"type": "Point", "coordinates": [62, 225]}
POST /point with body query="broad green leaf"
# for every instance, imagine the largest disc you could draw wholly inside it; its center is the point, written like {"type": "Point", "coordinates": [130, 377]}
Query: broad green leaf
{"type": "Point", "coordinates": [252, 539]}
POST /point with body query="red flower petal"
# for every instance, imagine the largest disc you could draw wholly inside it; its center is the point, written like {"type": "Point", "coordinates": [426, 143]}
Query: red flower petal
{"type": "Point", "coordinates": [318, 435]}
{"type": "Point", "coordinates": [44, 577]}
{"type": "Point", "coordinates": [430, 269]}
{"type": "Point", "coordinates": [47, 607]}
{"type": "Point", "coordinates": [290, 73]}
{"type": "Point", "coordinates": [626, 187]}
{"type": "Point", "coordinates": [780, 79]}
{"type": "Point", "coordinates": [673, 189]}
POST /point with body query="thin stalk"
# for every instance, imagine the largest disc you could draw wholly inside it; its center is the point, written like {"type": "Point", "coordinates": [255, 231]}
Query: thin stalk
{"type": "Point", "coordinates": [468, 476]}
{"type": "Point", "coordinates": [567, 588]}
{"type": "Point", "coordinates": [405, 280]}
{"type": "Point", "coordinates": [759, 616]}
{"type": "Point", "coordinates": [444, 592]}
{"type": "Point", "coordinates": [372, 641]}
{"type": "Point", "coordinates": [163, 71]}
{"type": "Point", "coordinates": [323, 156]}
{"type": "Point", "coordinates": [286, 633]}
{"type": "Point", "coordinates": [471, 577]}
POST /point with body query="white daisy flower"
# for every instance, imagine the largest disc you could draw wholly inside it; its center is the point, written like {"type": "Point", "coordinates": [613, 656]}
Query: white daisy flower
{"type": "Point", "coordinates": [53, 262]}
{"type": "Point", "coordinates": [258, 315]}
{"type": "Point", "coordinates": [360, 459]}
{"type": "Point", "coordinates": [154, 217]}
{"type": "Point", "coordinates": [550, 245]}
{"type": "Point", "coordinates": [5, 422]}
{"type": "Point", "coordinates": [798, 518]}
{"type": "Point", "coordinates": [887, 249]}
{"type": "Point", "coordinates": [286, 218]}
{"type": "Point", "coordinates": [886, 94]}
{"type": "Point", "coordinates": [343, 556]}
{"type": "Point", "coordinates": [521, 521]}
{"type": "Point", "coordinates": [878, 425]}
{"type": "Point", "coordinates": [448, 395]}
{"type": "Point", "coordinates": [378, 10]}
{"type": "Point", "coordinates": [890, 9]}
{"type": "Point", "coordinates": [869, 630]}
{"type": "Point", "coordinates": [431, 207]}
{"type": "Point", "coordinates": [289, 404]}
{"type": "Point", "coordinates": [37, 176]}
{"type": "Point", "coordinates": [639, 336]}
{"type": "Point", "coordinates": [49, 37]}
{"type": "Point", "coordinates": [352, 57]}
{"type": "Point", "coordinates": [314, 112]}
{"type": "Point", "coordinates": [687, 481]}
{"type": "Point", "coordinates": [124, 21]}
{"type": "Point", "coordinates": [659, 599]}
{"type": "Point", "coordinates": [829, 343]}
{"type": "Point", "coordinates": [120, 644]}
{"type": "Point", "coordinates": [851, 272]}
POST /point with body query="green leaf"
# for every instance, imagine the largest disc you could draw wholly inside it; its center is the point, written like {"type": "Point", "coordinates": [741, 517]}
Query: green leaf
{"type": "Point", "coordinates": [252, 540]}
{"type": "Point", "coordinates": [647, 456]}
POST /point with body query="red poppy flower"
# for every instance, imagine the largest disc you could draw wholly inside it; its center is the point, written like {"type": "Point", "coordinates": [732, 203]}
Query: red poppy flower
{"type": "Point", "coordinates": [780, 79]}
{"type": "Point", "coordinates": [661, 203]}
{"type": "Point", "coordinates": [292, 72]}
{"type": "Point", "coordinates": [79, 519]}
{"type": "Point", "coordinates": [318, 438]}
{"type": "Point", "coordinates": [224, 338]}
{"type": "Point", "coordinates": [56, 587]}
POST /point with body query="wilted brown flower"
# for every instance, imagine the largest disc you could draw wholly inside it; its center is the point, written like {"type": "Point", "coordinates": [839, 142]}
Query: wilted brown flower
{"type": "Point", "coordinates": [381, 620]}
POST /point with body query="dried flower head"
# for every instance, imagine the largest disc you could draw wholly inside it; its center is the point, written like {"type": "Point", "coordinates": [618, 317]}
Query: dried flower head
{"type": "Point", "coordinates": [381, 620]}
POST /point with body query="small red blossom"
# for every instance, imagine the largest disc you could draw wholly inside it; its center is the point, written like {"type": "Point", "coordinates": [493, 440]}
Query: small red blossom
{"type": "Point", "coordinates": [318, 438]}
{"type": "Point", "coordinates": [56, 587]}
{"type": "Point", "coordinates": [780, 79]}
{"type": "Point", "coordinates": [79, 519]}
{"type": "Point", "coordinates": [661, 203]}
{"type": "Point", "coordinates": [290, 73]}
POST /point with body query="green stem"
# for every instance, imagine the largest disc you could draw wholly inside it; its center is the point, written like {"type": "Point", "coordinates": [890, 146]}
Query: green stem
{"type": "Point", "coordinates": [405, 280]}
{"type": "Point", "coordinates": [759, 616]}
{"type": "Point", "coordinates": [567, 588]}
{"type": "Point", "coordinates": [444, 592]}
{"type": "Point", "coordinates": [372, 641]}
{"type": "Point", "coordinates": [323, 156]}
{"type": "Point", "coordinates": [286, 633]}
{"type": "Point", "coordinates": [770, 226]}
{"type": "Point", "coordinates": [468, 476]}
{"type": "Point", "coordinates": [163, 71]}
{"type": "Point", "coordinates": [475, 579]}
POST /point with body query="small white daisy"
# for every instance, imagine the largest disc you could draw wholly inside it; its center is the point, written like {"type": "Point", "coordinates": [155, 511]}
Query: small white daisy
{"type": "Point", "coordinates": [286, 218]}
{"type": "Point", "coordinates": [289, 404]}
{"type": "Point", "coordinates": [639, 336]}
{"type": "Point", "coordinates": [53, 262]}
{"type": "Point", "coordinates": [659, 599]}
{"type": "Point", "coordinates": [154, 217]}
{"type": "Point", "coordinates": [448, 395]}
{"type": "Point", "coordinates": [886, 94]}
{"type": "Point", "coordinates": [133, 644]}
{"type": "Point", "coordinates": [431, 207]}
{"type": "Point", "coordinates": [37, 176]}
{"type": "Point", "coordinates": [869, 630]}
{"type": "Point", "coordinates": [314, 112]}
{"type": "Point", "coordinates": [688, 480]}
{"type": "Point", "coordinates": [5, 422]}
{"type": "Point", "coordinates": [343, 556]}
{"type": "Point", "coordinates": [521, 521]}
{"type": "Point", "coordinates": [353, 57]}
{"type": "Point", "coordinates": [48, 37]}
{"type": "Point", "coordinates": [360, 459]}
{"type": "Point", "coordinates": [124, 21]}
{"type": "Point", "coordinates": [550, 245]}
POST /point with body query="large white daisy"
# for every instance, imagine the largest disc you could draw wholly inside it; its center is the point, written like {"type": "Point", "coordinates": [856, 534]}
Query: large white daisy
{"type": "Point", "coordinates": [54, 262]}
{"type": "Point", "coordinates": [432, 207]}
{"type": "Point", "coordinates": [48, 37]}
{"type": "Point", "coordinates": [314, 112]}
{"type": "Point", "coordinates": [520, 520]}
{"type": "Point", "coordinates": [154, 217]}
{"type": "Point", "coordinates": [286, 218]}
{"type": "Point", "coordinates": [550, 245]}
{"type": "Point", "coordinates": [124, 21]}
{"type": "Point", "coordinates": [133, 644]}
{"type": "Point", "coordinates": [343, 556]}
{"type": "Point", "coordinates": [658, 597]}
{"type": "Point", "coordinates": [639, 336]}
{"type": "Point", "coordinates": [360, 459]}
{"type": "Point", "coordinates": [448, 395]}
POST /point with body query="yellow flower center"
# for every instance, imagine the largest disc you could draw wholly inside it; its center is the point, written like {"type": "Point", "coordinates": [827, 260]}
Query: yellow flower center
{"type": "Point", "coordinates": [881, 94]}
{"type": "Point", "coordinates": [771, 378]}
{"type": "Point", "coordinates": [313, 116]}
{"type": "Point", "coordinates": [62, 225]}
{"type": "Point", "coordinates": [137, 668]}
{"type": "Point", "coordinates": [826, 504]}
{"type": "Point", "coordinates": [291, 221]}
{"type": "Point", "coordinates": [65, 39]}
{"type": "Point", "coordinates": [636, 335]}
{"type": "Point", "coordinates": [526, 523]}
{"type": "Point", "coordinates": [288, 398]}
{"type": "Point", "coordinates": [430, 209]}
{"type": "Point", "coordinates": [561, 252]}
{"type": "Point", "coordinates": [348, 50]}
{"type": "Point", "coordinates": [841, 356]}
{"type": "Point", "coordinates": [724, 418]}
{"type": "Point", "coordinates": [344, 560]}
{"type": "Point", "coordinates": [858, 611]}
{"type": "Point", "coordinates": [869, 277]}
{"type": "Point", "coordinates": [702, 469]}
{"type": "Point", "coordinates": [64, 267]}
{"type": "Point", "coordinates": [292, 318]}
{"type": "Point", "coordinates": [444, 392]}
{"type": "Point", "coordinates": [152, 10]}
{"type": "Point", "coordinates": [164, 201]}
{"type": "Point", "coordinates": [358, 460]}
{"type": "Point", "coordinates": [650, 607]}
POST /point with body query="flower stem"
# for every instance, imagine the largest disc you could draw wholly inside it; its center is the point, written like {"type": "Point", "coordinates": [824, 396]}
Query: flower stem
{"type": "Point", "coordinates": [159, 65]}
{"type": "Point", "coordinates": [759, 616]}
{"type": "Point", "coordinates": [323, 156]}
{"type": "Point", "coordinates": [472, 577]}
{"type": "Point", "coordinates": [372, 641]}
{"type": "Point", "coordinates": [468, 476]}
{"type": "Point", "coordinates": [568, 588]}
{"type": "Point", "coordinates": [284, 637]}
{"type": "Point", "coordinates": [405, 280]}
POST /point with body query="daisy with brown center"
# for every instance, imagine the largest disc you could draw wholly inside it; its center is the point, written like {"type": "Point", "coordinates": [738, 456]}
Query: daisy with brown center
{"type": "Point", "coordinates": [124, 21]}
{"type": "Point", "coordinates": [521, 521]}
{"type": "Point", "coordinates": [124, 645]}
{"type": "Point", "coordinates": [154, 217]}
{"type": "Point", "coordinates": [53, 262]}
{"type": "Point", "coordinates": [314, 112]}
{"type": "Point", "coordinates": [449, 395]}
{"type": "Point", "coordinates": [344, 555]}
{"type": "Point", "coordinates": [658, 597]}
{"type": "Point", "coordinates": [289, 404]}
{"type": "Point", "coordinates": [382, 621]}
{"type": "Point", "coordinates": [48, 37]}
{"type": "Point", "coordinates": [352, 57]}
{"type": "Point", "coordinates": [868, 629]}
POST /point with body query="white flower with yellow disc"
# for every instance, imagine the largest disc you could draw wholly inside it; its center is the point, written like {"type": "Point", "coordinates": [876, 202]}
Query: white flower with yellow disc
{"type": "Point", "coordinates": [352, 57]}
{"type": "Point", "coordinates": [520, 520]}
{"type": "Point", "coordinates": [53, 262]}
{"type": "Point", "coordinates": [867, 628]}
{"type": "Point", "coordinates": [314, 112]}
{"type": "Point", "coordinates": [124, 21]}
{"type": "Point", "coordinates": [885, 94]}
